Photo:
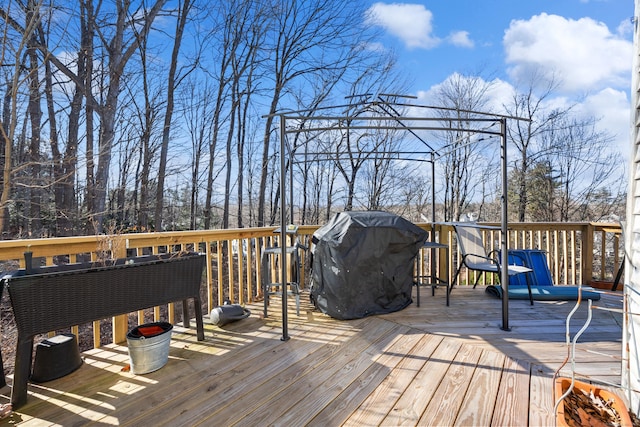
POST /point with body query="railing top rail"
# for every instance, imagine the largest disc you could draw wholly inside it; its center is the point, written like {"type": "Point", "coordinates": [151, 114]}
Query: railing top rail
{"type": "Point", "coordinates": [43, 247]}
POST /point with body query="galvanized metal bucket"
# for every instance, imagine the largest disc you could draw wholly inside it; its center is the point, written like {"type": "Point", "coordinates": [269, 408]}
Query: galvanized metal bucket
{"type": "Point", "coordinates": [149, 346]}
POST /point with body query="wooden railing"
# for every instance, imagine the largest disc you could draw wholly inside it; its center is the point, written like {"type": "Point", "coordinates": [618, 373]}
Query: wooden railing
{"type": "Point", "coordinates": [577, 253]}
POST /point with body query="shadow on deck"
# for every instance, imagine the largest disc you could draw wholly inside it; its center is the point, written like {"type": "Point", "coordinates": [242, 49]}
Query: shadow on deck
{"type": "Point", "coordinates": [427, 365]}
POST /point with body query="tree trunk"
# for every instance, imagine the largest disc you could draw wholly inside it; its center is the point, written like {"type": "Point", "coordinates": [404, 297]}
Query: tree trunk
{"type": "Point", "coordinates": [166, 130]}
{"type": "Point", "coordinates": [35, 115]}
{"type": "Point", "coordinates": [264, 171]}
{"type": "Point", "coordinates": [229, 162]}
{"type": "Point", "coordinates": [8, 127]}
{"type": "Point", "coordinates": [118, 58]}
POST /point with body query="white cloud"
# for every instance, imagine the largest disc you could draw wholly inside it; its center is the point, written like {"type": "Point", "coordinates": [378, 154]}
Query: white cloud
{"type": "Point", "coordinates": [583, 53]}
{"type": "Point", "coordinates": [412, 23]}
{"type": "Point", "coordinates": [609, 106]}
{"type": "Point", "coordinates": [625, 28]}
{"type": "Point", "coordinates": [612, 108]}
{"type": "Point", "coordinates": [460, 39]}
{"type": "Point", "coordinates": [409, 22]}
{"type": "Point", "coordinates": [500, 93]}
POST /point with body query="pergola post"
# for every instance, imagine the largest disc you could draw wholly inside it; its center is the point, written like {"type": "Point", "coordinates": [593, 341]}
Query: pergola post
{"type": "Point", "coordinates": [283, 229]}
{"type": "Point", "coordinates": [504, 273]}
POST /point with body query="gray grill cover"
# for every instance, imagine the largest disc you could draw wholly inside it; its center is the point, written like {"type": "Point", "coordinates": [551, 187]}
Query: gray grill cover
{"type": "Point", "coordinates": [363, 264]}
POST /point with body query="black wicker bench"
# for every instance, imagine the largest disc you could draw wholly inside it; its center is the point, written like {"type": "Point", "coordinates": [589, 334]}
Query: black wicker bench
{"type": "Point", "coordinates": [57, 297]}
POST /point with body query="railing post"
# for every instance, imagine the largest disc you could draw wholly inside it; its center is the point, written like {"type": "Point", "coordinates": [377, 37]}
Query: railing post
{"type": "Point", "coordinates": [209, 270]}
{"type": "Point", "coordinates": [120, 323]}
{"type": "Point", "coordinates": [444, 273]}
{"type": "Point", "coordinates": [588, 231]}
{"type": "Point", "coordinates": [219, 260]}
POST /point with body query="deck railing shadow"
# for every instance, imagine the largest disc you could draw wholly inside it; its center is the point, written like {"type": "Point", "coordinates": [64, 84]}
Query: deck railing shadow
{"type": "Point", "coordinates": [577, 253]}
{"type": "Point", "coordinates": [242, 372]}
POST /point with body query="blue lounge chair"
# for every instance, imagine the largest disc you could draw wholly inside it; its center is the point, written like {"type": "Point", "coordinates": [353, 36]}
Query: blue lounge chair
{"type": "Point", "coordinates": [542, 287]}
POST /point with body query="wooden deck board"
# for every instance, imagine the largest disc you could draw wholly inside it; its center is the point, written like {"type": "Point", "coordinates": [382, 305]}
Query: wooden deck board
{"type": "Point", "coordinates": [541, 401]}
{"type": "Point", "coordinates": [409, 408]}
{"type": "Point", "coordinates": [450, 394]}
{"type": "Point", "coordinates": [226, 381]}
{"type": "Point", "coordinates": [428, 365]}
{"type": "Point", "coordinates": [381, 398]}
{"type": "Point", "coordinates": [327, 381]}
{"type": "Point", "coordinates": [512, 402]}
{"type": "Point", "coordinates": [356, 389]}
{"type": "Point", "coordinates": [483, 390]}
{"type": "Point", "coordinates": [273, 398]}
{"type": "Point", "coordinates": [183, 355]}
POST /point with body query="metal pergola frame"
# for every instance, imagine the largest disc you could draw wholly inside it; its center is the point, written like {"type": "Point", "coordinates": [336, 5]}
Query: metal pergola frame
{"type": "Point", "coordinates": [368, 106]}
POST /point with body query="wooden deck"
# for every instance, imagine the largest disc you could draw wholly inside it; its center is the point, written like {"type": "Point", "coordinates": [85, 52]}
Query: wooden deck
{"type": "Point", "coordinates": [427, 365]}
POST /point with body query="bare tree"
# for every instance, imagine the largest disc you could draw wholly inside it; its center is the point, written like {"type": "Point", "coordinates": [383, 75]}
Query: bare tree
{"type": "Point", "coordinates": [309, 99]}
{"type": "Point", "coordinates": [35, 115]}
{"type": "Point", "coordinates": [331, 178]}
{"type": "Point", "coordinates": [91, 105]}
{"type": "Point", "coordinates": [65, 160]}
{"type": "Point", "coordinates": [525, 135]}
{"type": "Point", "coordinates": [145, 108]}
{"type": "Point", "coordinates": [12, 54]}
{"type": "Point", "coordinates": [246, 36]}
{"type": "Point", "coordinates": [461, 153]}
{"type": "Point", "coordinates": [586, 170]}
{"type": "Point", "coordinates": [219, 71]}
{"type": "Point", "coordinates": [129, 28]}
{"type": "Point", "coordinates": [358, 149]}
{"type": "Point", "coordinates": [416, 197]}
{"type": "Point", "coordinates": [304, 33]}
{"type": "Point", "coordinates": [122, 204]}
{"type": "Point", "coordinates": [384, 175]}
{"type": "Point", "coordinates": [184, 7]}
{"type": "Point", "coordinates": [565, 167]}
{"type": "Point", "coordinates": [197, 102]}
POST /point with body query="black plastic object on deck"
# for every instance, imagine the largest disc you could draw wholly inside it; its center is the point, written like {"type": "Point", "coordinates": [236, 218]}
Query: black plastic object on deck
{"type": "Point", "coordinates": [363, 264]}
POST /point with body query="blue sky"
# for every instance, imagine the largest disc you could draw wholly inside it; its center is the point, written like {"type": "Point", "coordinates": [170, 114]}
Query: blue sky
{"type": "Point", "coordinates": [588, 43]}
